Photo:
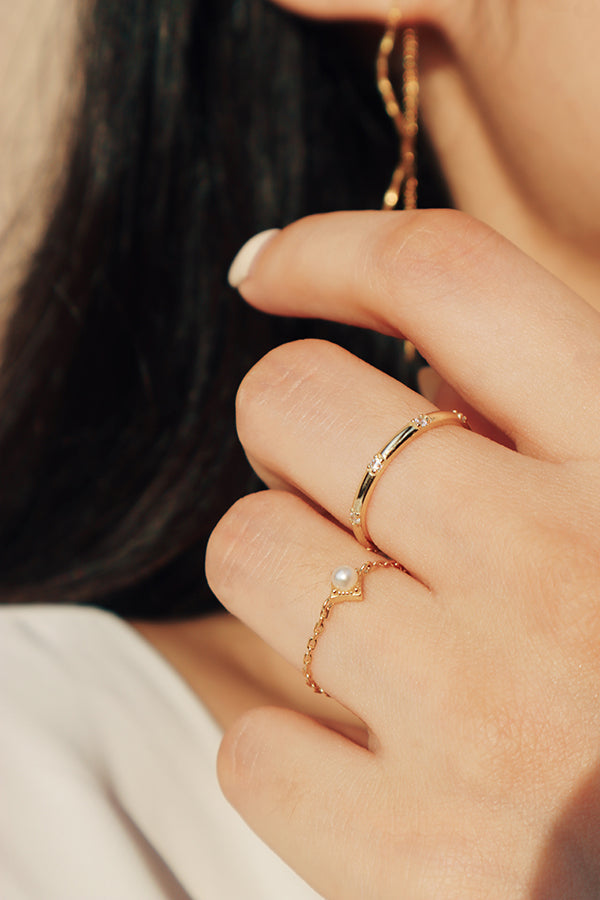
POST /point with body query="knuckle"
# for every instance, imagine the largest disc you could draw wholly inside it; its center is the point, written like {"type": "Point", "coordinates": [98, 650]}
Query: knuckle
{"type": "Point", "coordinates": [432, 248]}
{"type": "Point", "coordinates": [246, 770]}
{"type": "Point", "coordinates": [239, 544]}
{"type": "Point", "coordinates": [569, 591]}
{"type": "Point", "coordinates": [240, 754]}
{"type": "Point", "coordinates": [281, 388]}
{"type": "Point", "coordinates": [512, 751]}
{"type": "Point", "coordinates": [254, 536]}
{"type": "Point", "coordinates": [502, 729]}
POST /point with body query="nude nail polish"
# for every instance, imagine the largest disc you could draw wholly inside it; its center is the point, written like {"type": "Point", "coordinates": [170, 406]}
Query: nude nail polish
{"type": "Point", "coordinates": [244, 259]}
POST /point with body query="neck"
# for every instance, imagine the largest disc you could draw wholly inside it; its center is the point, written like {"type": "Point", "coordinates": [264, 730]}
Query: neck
{"type": "Point", "coordinates": [482, 185]}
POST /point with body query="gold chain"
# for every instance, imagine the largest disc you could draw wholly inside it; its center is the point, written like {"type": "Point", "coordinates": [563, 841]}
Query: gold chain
{"type": "Point", "coordinates": [328, 605]}
{"type": "Point", "coordinates": [403, 186]}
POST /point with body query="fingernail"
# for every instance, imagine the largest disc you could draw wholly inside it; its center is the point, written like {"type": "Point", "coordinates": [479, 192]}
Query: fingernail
{"type": "Point", "coordinates": [241, 265]}
{"type": "Point", "coordinates": [429, 383]}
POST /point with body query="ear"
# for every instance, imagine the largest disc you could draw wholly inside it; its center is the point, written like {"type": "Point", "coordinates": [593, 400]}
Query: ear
{"type": "Point", "coordinates": [414, 12]}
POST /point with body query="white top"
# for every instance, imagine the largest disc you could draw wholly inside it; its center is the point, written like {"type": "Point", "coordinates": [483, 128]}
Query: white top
{"type": "Point", "coordinates": [108, 788]}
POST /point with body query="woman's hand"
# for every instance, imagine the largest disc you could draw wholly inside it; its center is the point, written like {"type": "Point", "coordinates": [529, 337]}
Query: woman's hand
{"type": "Point", "coordinates": [477, 673]}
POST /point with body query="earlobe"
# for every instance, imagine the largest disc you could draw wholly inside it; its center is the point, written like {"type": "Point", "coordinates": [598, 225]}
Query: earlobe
{"type": "Point", "coordinates": [414, 12]}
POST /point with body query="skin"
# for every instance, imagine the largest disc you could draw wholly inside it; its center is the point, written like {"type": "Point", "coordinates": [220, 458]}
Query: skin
{"type": "Point", "coordinates": [477, 674]}
{"type": "Point", "coordinates": [461, 760]}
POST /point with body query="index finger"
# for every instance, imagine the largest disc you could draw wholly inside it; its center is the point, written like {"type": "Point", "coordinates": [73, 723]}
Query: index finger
{"type": "Point", "coordinates": [513, 340]}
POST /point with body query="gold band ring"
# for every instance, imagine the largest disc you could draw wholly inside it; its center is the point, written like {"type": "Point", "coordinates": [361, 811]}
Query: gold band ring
{"type": "Point", "coordinates": [346, 584]}
{"type": "Point", "coordinates": [416, 426]}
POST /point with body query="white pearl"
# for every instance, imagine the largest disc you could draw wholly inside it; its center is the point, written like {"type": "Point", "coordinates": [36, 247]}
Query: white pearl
{"type": "Point", "coordinates": [344, 578]}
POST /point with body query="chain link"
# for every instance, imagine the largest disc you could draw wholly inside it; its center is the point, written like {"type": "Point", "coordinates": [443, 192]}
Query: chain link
{"type": "Point", "coordinates": [403, 186]}
{"type": "Point", "coordinates": [326, 612]}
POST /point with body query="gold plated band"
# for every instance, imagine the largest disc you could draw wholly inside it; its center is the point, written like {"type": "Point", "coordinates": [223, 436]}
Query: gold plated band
{"type": "Point", "coordinates": [416, 426]}
{"type": "Point", "coordinates": [346, 585]}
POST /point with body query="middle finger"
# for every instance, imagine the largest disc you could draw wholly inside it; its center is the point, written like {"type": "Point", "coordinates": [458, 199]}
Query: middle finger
{"type": "Point", "coordinates": [312, 415]}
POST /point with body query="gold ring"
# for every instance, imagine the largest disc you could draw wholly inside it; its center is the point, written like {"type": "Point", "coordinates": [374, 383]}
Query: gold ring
{"type": "Point", "coordinates": [381, 460]}
{"type": "Point", "coordinates": [346, 584]}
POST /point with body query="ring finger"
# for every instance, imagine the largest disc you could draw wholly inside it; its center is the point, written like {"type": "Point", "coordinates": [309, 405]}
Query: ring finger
{"type": "Point", "coordinates": [311, 415]}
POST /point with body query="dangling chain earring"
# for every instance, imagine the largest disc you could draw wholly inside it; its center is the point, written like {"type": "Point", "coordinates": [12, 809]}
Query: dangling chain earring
{"type": "Point", "coordinates": [403, 186]}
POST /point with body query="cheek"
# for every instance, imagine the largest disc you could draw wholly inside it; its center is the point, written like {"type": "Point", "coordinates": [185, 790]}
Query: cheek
{"type": "Point", "coordinates": [533, 69]}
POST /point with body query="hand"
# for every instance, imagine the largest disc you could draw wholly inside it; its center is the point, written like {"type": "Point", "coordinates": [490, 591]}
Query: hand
{"type": "Point", "coordinates": [477, 675]}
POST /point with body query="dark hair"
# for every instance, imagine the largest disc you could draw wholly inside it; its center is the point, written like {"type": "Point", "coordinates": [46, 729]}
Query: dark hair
{"type": "Point", "coordinates": [202, 122]}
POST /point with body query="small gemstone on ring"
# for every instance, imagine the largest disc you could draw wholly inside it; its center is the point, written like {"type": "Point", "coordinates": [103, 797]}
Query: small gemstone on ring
{"type": "Point", "coordinates": [421, 421]}
{"type": "Point", "coordinates": [375, 464]}
{"type": "Point", "coordinates": [354, 517]}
